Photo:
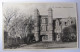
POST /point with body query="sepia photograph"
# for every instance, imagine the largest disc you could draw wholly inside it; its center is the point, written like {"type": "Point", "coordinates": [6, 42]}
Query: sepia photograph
{"type": "Point", "coordinates": [39, 25]}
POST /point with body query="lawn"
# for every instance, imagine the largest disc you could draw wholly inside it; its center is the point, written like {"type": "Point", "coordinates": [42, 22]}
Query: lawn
{"type": "Point", "coordinates": [48, 45]}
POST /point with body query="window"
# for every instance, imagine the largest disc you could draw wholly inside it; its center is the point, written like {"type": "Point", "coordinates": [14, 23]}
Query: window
{"type": "Point", "coordinates": [43, 20]}
{"type": "Point", "coordinates": [43, 28]}
{"type": "Point", "coordinates": [65, 23]}
{"type": "Point", "coordinates": [46, 27]}
{"type": "Point", "coordinates": [46, 20]}
{"type": "Point", "coordinates": [57, 23]}
{"type": "Point", "coordinates": [71, 22]}
{"type": "Point", "coordinates": [45, 37]}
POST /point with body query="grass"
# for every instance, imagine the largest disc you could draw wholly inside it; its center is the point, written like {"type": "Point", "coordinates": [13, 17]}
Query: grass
{"type": "Point", "coordinates": [50, 45]}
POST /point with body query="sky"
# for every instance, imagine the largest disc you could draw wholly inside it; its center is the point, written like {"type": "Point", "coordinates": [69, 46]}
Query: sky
{"type": "Point", "coordinates": [60, 10]}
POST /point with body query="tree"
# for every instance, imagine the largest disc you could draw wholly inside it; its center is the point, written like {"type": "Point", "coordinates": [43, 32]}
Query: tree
{"type": "Point", "coordinates": [29, 28]}
{"type": "Point", "coordinates": [14, 24]}
{"type": "Point", "coordinates": [18, 26]}
{"type": "Point", "coordinates": [30, 25]}
{"type": "Point", "coordinates": [69, 34]}
{"type": "Point", "coordinates": [8, 14]}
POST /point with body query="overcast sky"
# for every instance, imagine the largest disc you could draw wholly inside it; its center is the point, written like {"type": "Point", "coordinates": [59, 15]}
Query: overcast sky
{"type": "Point", "coordinates": [60, 10]}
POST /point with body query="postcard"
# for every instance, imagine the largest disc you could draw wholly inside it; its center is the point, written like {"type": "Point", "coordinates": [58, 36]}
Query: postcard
{"type": "Point", "coordinates": [39, 25]}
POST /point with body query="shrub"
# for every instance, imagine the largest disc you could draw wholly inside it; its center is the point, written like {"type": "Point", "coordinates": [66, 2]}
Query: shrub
{"type": "Point", "coordinates": [29, 39]}
{"type": "Point", "coordinates": [69, 34]}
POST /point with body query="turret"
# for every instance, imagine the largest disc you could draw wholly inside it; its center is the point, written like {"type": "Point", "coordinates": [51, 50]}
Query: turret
{"type": "Point", "coordinates": [36, 13]}
{"type": "Point", "coordinates": [50, 15]}
{"type": "Point", "coordinates": [36, 27]}
{"type": "Point", "coordinates": [50, 28]}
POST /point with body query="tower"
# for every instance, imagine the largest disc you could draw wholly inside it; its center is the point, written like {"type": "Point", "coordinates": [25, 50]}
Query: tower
{"type": "Point", "coordinates": [50, 29]}
{"type": "Point", "coordinates": [36, 27]}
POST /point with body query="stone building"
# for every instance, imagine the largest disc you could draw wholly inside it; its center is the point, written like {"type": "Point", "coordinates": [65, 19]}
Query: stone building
{"type": "Point", "coordinates": [43, 26]}
{"type": "Point", "coordinates": [47, 28]}
{"type": "Point", "coordinates": [60, 24]}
